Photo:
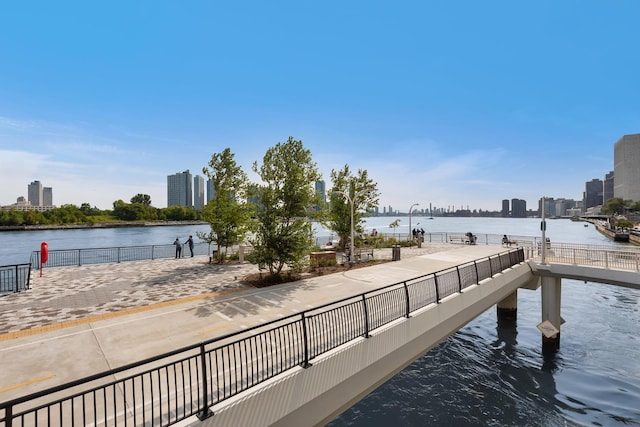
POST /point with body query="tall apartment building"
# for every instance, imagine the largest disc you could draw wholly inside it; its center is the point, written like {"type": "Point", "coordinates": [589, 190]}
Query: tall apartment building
{"type": "Point", "coordinates": [321, 191]}
{"type": "Point", "coordinates": [35, 194]}
{"type": "Point", "coordinates": [593, 193]}
{"type": "Point", "coordinates": [518, 208]}
{"type": "Point", "coordinates": [211, 192]}
{"type": "Point", "coordinates": [198, 192]}
{"type": "Point", "coordinates": [549, 207]}
{"type": "Point", "coordinates": [626, 161]}
{"type": "Point", "coordinates": [608, 187]}
{"type": "Point", "coordinates": [179, 189]}
{"type": "Point", "coordinates": [47, 196]}
{"type": "Point", "coordinates": [505, 208]}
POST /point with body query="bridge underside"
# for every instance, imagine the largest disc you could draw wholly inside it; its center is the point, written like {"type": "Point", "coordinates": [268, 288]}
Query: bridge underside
{"type": "Point", "coordinates": [338, 379]}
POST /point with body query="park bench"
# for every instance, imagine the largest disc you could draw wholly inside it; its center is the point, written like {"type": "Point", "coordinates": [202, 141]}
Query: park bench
{"type": "Point", "coordinates": [463, 239]}
{"type": "Point", "coordinates": [361, 252]}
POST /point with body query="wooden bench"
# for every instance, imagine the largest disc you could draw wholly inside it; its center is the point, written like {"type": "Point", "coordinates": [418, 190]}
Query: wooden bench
{"type": "Point", "coordinates": [509, 242]}
{"type": "Point", "coordinates": [360, 252]}
{"type": "Point", "coordinates": [463, 239]}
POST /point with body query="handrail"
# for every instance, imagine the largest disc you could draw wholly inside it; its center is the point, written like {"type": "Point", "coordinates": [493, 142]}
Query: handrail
{"type": "Point", "coordinates": [78, 257]}
{"type": "Point", "coordinates": [170, 387]}
{"type": "Point", "coordinates": [15, 278]}
{"type": "Point", "coordinates": [611, 257]}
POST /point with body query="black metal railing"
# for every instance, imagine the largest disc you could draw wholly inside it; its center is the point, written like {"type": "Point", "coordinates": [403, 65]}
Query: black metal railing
{"type": "Point", "coordinates": [14, 278]}
{"type": "Point", "coordinates": [168, 388]}
{"type": "Point", "coordinates": [70, 257]}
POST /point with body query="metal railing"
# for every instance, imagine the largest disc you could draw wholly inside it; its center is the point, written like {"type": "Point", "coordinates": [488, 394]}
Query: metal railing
{"type": "Point", "coordinates": [168, 388]}
{"type": "Point", "coordinates": [626, 258]}
{"type": "Point", "coordinates": [446, 237]}
{"type": "Point", "coordinates": [14, 278]}
{"type": "Point", "coordinates": [69, 257]}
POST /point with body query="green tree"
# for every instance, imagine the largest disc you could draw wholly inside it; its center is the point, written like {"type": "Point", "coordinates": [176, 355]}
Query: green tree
{"type": "Point", "coordinates": [615, 206]}
{"type": "Point", "coordinates": [228, 213]}
{"type": "Point", "coordinates": [287, 197]}
{"type": "Point", "coordinates": [361, 190]}
{"type": "Point", "coordinates": [395, 224]}
{"type": "Point", "coordinates": [143, 199]}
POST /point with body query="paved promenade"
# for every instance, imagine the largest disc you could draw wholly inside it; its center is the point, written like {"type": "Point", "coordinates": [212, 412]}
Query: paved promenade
{"type": "Point", "coordinates": [77, 321]}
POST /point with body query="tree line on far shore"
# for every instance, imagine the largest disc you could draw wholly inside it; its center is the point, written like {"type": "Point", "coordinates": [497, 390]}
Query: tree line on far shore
{"type": "Point", "coordinates": [85, 214]}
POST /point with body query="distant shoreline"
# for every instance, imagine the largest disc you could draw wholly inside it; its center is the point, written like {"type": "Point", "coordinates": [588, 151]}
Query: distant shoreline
{"type": "Point", "coordinates": [98, 225]}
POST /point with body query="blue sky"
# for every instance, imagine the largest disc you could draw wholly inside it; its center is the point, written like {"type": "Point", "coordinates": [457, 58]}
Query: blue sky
{"type": "Point", "coordinates": [454, 103]}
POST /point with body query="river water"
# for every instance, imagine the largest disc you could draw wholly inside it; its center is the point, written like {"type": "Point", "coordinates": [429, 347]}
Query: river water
{"type": "Point", "coordinates": [486, 374]}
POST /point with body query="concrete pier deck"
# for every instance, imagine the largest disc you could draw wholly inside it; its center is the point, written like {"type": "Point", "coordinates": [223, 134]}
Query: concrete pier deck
{"type": "Point", "coordinates": [78, 321]}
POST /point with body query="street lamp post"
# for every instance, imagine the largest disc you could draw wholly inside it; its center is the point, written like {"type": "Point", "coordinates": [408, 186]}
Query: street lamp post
{"type": "Point", "coordinates": [411, 235]}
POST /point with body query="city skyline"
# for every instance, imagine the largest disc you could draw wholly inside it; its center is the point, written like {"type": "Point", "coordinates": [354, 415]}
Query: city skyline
{"type": "Point", "coordinates": [449, 104]}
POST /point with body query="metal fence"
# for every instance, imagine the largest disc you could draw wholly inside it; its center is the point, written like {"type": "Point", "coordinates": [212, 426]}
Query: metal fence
{"type": "Point", "coordinates": [14, 278]}
{"type": "Point", "coordinates": [168, 388]}
{"type": "Point", "coordinates": [445, 237]}
{"type": "Point", "coordinates": [615, 257]}
{"type": "Point", "coordinates": [69, 257]}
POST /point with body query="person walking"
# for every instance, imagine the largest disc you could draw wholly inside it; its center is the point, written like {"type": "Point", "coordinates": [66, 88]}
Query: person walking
{"type": "Point", "coordinates": [178, 247]}
{"type": "Point", "coordinates": [190, 243]}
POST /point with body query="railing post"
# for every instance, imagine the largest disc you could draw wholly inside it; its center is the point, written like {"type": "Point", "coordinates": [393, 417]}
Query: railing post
{"type": "Point", "coordinates": [205, 412]}
{"type": "Point", "coordinates": [8, 416]}
{"type": "Point", "coordinates": [500, 261]}
{"type": "Point", "coordinates": [152, 249]}
{"type": "Point", "coordinates": [366, 316]}
{"type": "Point", "coordinates": [305, 364]}
{"type": "Point", "coordinates": [459, 280]}
{"type": "Point", "coordinates": [606, 259]}
{"type": "Point", "coordinates": [406, 294]}
{"type": "Point", "coordinates": [16, 278]}
{"type": "Point", "coordinates": [490, 267]}
{"type": "Point", "coordinates": [435, 280]}
{"type": "Point", "coordinates": [79, 256]}
{"type": "Point", "coordinates": [574, 256]}
{"type": "Point", "coordinates": [475, 264]}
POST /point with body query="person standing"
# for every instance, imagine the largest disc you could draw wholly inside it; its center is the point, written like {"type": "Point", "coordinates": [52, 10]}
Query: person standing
{"type": "Point", "coordinates": [178, 247]}
{"type": "Point", "coordinates": [190, 243]}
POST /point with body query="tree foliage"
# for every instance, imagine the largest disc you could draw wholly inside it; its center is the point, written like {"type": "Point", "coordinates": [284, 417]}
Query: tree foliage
{"type": "Point", "coordinates": [143, 199]}
{"type": "Point", "coordinates": [285, 200]}
{"type": "Point", "coordinates": [228, 213]}
{"type": "Point", "coordinates": [616, 206]}
{"type": "Point", "coordinates": [358, 188]}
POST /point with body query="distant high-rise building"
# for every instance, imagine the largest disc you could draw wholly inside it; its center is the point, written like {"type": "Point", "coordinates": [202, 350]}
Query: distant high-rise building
{"type": "Point", "coordinates": [505, 208]}
{"type": "Point", "coordinates": [35, 193]}
{"type": "Point", "coordinates": [549, 207]}
{"type": "Point", "coordinates": [518, 208]}
{"type": "Point", "coordinates": [211, 192]}
{"type": "Point", "coordinates": [608, 187]}
{"type": "Point", "coordinates": [47, 196]}
{"type": "Point", "coordinates": [179, 189]}
{"type": "Point", "coordinates": [321, 192]}
{"type": "Point", "coordinates": [593, 193]}
{"type": "Point", "coordinates": [626, 161]}
{"type": "Point", "coordinates": [198, 192]}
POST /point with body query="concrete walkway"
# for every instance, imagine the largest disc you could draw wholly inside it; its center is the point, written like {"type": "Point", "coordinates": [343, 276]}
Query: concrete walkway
{"type": "Point", "coordinates": [78, 321]}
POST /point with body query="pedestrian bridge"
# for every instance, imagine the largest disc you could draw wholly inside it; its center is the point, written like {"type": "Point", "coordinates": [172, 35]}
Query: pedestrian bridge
{"type": "Point", "coordinates": [307, 368]}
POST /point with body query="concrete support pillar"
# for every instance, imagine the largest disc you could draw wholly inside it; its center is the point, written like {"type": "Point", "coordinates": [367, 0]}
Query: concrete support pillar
{"type": "Point", "coordinates": [551, 291]}
{"type": "Point", "coordinates": [507, 309]}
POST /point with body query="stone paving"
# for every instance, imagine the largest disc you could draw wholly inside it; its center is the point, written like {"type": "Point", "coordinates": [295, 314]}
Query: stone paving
{"type": "Point", "coordinates": [66, 294]}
